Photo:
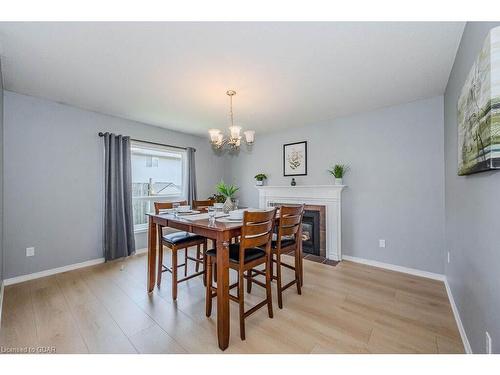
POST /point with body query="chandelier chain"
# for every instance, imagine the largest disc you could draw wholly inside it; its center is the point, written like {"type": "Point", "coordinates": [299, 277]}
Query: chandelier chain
{"type": "Point", "coordinates": [231, 108]}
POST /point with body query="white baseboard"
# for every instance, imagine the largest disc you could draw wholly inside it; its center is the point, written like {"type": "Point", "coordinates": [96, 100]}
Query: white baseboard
{"type": "Point", "coordinates": [461, 328]}
{"type": "Point", "coordinates": [393, 267]}
{"type": "Point", "coordinates": [53, 271]}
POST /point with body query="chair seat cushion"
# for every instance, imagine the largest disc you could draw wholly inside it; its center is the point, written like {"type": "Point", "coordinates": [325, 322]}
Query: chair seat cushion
{"type": "Point", "coordinates": [178, 238]}
{"type": "Point", "coordinates": [285, 242]}
{"type": "Point", "coordinates": [251, 253]}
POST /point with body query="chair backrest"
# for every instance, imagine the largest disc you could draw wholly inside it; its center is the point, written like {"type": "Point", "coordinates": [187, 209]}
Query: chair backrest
{"type": "Point", "coordinates": [290, 221]}
{"type": "Point", "coordinates": [257, 230]}
{"type": "Point", "coordinates": [203, 204]}
{"type": "Point", "coordinates": [166, 205]}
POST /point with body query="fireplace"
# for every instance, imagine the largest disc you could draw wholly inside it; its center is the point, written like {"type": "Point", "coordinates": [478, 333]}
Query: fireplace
{"type": "Point", "coordinates": [310, 232]}
{"type": "Point", "coordinates": [323, 198]}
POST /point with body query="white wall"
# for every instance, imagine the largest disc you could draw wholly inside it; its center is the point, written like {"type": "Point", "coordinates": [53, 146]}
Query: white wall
{"type": "Point", "coordinates": [54, 170]}
{"type": "Point", "coordinates": [472, 208]}
{"type": "Point", "coordinates": [396, 182]}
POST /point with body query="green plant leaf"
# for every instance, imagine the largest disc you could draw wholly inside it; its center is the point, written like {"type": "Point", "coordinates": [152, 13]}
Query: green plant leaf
{"type": "Point", "coordinates": [260, 177]}
{"type": "Point", "coordinates": [339, 170]}
{"type": "Point", "coordinates": [226, 190]}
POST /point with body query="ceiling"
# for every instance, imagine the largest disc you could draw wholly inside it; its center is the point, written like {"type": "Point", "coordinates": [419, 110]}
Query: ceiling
{"type": "Point", "coordinates": [175, 75]}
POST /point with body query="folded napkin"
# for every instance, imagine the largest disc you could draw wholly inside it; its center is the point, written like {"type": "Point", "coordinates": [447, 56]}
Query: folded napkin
{"type": "Point", "coordinates": [195, 217]}
{"type": "Point", "coordinates": [192, 212]}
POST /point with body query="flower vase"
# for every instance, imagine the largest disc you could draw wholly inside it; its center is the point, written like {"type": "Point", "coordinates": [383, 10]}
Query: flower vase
{"type": "Point", "coordinates": [338, 181]}
{"type": "Point", "coordinates": [228, 205]}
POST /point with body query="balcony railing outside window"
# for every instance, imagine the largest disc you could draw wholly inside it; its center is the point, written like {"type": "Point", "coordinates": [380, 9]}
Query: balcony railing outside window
{"type": "Point", "coordinates": [143, 203]}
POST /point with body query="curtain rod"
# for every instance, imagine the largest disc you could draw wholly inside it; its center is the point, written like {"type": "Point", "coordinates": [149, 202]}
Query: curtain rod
{"type": "Point", "coordinates": [101, 134]}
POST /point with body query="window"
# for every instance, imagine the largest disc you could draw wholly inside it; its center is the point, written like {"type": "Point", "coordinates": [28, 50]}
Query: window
{"type": "Point", "coordinates": [152, 162]}
{"type": "Point", "coordinates": [158, 175]}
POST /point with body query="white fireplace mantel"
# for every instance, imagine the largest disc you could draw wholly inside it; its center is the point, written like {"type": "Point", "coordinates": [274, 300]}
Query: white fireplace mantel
{"type": "Point", "coordinates": [329, 196]}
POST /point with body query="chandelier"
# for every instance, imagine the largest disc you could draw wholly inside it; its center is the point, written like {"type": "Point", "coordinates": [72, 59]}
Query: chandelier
{"type": "Point", "coordinates": [233, 140]}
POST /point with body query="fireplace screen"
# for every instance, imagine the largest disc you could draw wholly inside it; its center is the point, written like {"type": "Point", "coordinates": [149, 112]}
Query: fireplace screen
{"type": "Point", "coordinates": [310, 232]}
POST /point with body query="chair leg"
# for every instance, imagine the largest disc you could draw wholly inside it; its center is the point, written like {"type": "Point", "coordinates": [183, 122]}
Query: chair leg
{"type": "Point", "coordinates": [272, 265]}
{"type": "Point", "coordinates": [268, 287]}
{"type": "Point", "coordinates": [160, 264]}
{"type": "Point", "coordinates": [249, 281]}
{"type": "Point", "coordinates": [185, 262]}
{"type": "Point", "coordinates": [198, 257]}
{"type": "Point", "coordinates": [174, 274]}
{"type": "Point", "coordinates": [205, 263]}
{"type": "Point", "coordinates": [241, 301]}
{"type": "Point", "coordinates": [208, 289]}
{"type": "Point", "coordinates": [301, 262]}
{"type": "Point", "coordinates": [297, 273]}
{"type": "Point", "coordinates": [278, 279]}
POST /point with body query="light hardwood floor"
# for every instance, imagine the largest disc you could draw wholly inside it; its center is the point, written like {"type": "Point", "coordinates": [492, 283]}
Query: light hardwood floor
{"type": "Point", "coordinates": [350, 308]}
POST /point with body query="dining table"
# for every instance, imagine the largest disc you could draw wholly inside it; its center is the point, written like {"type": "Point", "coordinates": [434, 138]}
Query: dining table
{"type": "Point", "coordinates": [221, 231]}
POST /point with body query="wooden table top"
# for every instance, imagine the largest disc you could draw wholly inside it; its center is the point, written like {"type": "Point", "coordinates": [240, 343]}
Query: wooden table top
{"type": "Point", "coordinates": [202, 223]}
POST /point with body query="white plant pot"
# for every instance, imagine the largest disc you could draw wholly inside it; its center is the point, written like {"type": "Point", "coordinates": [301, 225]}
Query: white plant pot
{"type": "Point", "coordinates": [259, 183]}
{"type": "Point", "coordinates": [338, 181]}
{"type": "Point", "coordinates": [228, 205]}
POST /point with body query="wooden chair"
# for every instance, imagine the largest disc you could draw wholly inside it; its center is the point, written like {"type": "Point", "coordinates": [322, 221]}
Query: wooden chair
{"type": "Point", "coordinates": [287, 241]}
{"type": "Point", "coordinates": [178, 241]}
{"type": "Point", "coordinates": [253, 250]}
{"type": "Point", "coordinates": [203, 205]}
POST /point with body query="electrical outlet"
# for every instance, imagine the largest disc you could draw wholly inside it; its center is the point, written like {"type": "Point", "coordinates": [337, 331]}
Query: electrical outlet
{"type": "Point", "coordinates": [381, 243]}
{"type": "Point", "coordinates": [488, 344]}
{"type": "Point", "coordinates": [449, 257]}
{"type": "Point", "coordinates": [30, 251]}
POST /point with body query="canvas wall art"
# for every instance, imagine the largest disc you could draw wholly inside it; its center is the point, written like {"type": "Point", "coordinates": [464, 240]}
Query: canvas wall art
{"type": "Point", "coordinates": [479, 111]}
{"type": "Point", "coordinates": [295, 159]}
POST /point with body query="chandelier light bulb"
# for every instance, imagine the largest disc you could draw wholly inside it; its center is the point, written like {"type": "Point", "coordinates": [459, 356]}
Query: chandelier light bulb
{"type": "Point", "coordinates": [214, 134]}
{"type": "Point", "coordinates": [235, 131]}
{"type": "Point", "coordinates": [249, 136]}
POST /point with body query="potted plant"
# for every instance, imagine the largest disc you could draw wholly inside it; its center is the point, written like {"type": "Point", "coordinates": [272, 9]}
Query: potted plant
{"type": "Point", "coordinates": [217, 198]}
{"type": "Point", "coordinates": [228, 192]}
{"type": "Point", "coordinates": [338, 171]}
{"type": "Point", "coordinates": [260, 179]}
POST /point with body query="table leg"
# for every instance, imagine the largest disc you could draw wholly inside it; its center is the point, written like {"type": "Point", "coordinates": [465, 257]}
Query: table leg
{"type": "Point", "coordinates": [301, 257]}
{"type": "Point", "coordinates": [152, 239]}
{"type": "Point", "coordinates": [223, 293]}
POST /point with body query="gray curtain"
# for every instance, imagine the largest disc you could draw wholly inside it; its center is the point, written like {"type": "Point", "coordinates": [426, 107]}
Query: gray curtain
{"type": "Point", "coordinates": [191, 178]}
{"type": "Point", "coordinates": [118, 217]}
